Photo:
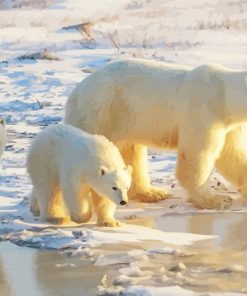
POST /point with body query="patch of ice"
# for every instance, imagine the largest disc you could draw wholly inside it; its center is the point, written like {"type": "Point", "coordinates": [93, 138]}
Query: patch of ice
{"type": "Point", "coordinates": [134, 271]}
{"type": "Point", "coordinates": [149, 291]}
{"type": "Point", "coordinates": [136, 233]}
{"type": "Point", "coordinates": [81, 251]}
{"type": "Point", "coordinates": [121, 258]}
{"type": "Point", "coordinates": [18, 106]}
{"type": "Point", "coordinates": [165, 250]}
{"type": "Point", "coordinates": [227, 294]}
{"type": "Point", "coordinates": [92, 236]}
{"type": "Point", "coordinates": [58, 265]}
{"type": "Point", "coordinates": [46, 240]}
{"type": "Point", "coordinates": [123, 280]}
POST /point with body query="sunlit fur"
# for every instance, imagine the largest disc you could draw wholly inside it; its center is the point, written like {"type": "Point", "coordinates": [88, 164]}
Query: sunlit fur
{"type": "Point", "coordinates": [200, 112]}
{"type": "Point", "coordinates": [64, 161]}
{"type": "Point", "coordinates": [2, 135]}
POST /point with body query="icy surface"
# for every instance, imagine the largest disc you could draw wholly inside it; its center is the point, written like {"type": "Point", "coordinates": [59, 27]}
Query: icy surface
{"type": "Point", "coordinates": [33, 93]}
{"type": "Point", "coordinates": [159, 291]}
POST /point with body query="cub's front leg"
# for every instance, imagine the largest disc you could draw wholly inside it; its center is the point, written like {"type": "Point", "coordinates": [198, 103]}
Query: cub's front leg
{"type": "Point", "coordinates": [105, 210]}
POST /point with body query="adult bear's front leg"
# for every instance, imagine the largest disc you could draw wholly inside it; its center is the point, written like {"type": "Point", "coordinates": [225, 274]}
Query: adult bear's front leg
{"type": "Point", "coordinates": [141, 189]}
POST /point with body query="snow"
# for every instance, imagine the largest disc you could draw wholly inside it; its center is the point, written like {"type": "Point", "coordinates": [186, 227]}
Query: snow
{"type": "Point", "coordinates": [42, 235]}
{"type": "Point", "coordinates": [33, 94]}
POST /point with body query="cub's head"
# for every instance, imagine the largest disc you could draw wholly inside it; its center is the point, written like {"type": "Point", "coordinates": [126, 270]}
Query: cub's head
{"type": "Point", "coordinates": [114, 184]}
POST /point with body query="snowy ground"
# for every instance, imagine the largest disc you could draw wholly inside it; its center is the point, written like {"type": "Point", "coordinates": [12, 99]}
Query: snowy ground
{"type": "Point", "coordinates": [33, 92]}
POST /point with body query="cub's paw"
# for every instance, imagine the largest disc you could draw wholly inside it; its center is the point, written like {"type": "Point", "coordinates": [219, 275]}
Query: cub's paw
{"type": "Point", "coordinates": [108, 223]}
{"type": "Point", "coordinates": [80, 219]}
{"type": "Point", "coordinates": [58, 220]}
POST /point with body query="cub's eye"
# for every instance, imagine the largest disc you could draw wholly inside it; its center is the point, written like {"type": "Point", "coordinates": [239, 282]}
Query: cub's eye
{"type": "Point", "coordinates": [114, 188]}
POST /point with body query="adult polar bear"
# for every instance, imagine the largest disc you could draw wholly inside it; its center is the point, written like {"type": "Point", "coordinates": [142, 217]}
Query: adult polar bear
{"type": "Point", "coordinates": [201, 112]}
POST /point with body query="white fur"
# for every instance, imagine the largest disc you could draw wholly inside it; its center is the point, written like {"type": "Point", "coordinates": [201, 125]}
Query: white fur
{"type": "Point", "coordinates": [200, 112]}
{"type": "Point", "coordinates": [64, 160]}
{"type": "Point", "coordinates": [3, 136]}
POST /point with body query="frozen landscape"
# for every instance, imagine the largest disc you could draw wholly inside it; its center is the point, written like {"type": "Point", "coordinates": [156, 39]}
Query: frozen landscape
{"type": "Point", "coordinates": [169, 248]}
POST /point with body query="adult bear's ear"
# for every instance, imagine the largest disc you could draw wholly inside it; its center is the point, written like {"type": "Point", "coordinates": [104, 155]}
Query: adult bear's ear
{"type": "Point", "coordinates": [129, 169]}
{"type": "Point", "coordinates": [102, 171]}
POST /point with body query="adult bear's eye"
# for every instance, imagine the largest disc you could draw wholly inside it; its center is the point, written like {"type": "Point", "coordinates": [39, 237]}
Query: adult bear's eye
{"type": "Point", "coordinates": [114, 188]}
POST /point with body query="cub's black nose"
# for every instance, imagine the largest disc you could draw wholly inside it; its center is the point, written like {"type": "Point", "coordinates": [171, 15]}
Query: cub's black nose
{"type": "Point", "coordinates": [123, 202]}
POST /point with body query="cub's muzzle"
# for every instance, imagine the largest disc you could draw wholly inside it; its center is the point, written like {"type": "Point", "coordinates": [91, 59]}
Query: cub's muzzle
{"type": "Point", "coordinates": [123, 202]}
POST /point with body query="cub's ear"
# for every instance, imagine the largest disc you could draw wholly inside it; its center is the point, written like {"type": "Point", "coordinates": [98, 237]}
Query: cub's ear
{"type": "Point", "coordinates": [129, 169]}
{"type": "Point", "coordinates": [102, 171]}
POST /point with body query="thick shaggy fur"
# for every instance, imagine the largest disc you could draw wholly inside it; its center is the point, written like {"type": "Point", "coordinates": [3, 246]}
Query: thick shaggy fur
{"type": "Point", "coordinates": [64, 161]}
{"type": "Point", "coordinates": [2, 135]}
{"type": "Point", "coordinates": [200, 112]}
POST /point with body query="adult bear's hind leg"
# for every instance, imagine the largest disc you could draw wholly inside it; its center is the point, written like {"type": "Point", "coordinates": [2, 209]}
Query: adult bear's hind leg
{"type": "Point", "coordinates": [232, 163]}
{"type": "Point", "coordinates": [197, 153]}
{"type": "Point", "coordinates": [141, 189]}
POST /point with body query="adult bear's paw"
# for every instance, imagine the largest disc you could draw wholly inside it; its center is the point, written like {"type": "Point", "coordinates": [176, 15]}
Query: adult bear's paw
{"type": "Point", "coordinates": [217, 202]}
{"type": "Point", "coordinates": [222, 202]}
{"type": "Point", "coordinates": [151, 195]}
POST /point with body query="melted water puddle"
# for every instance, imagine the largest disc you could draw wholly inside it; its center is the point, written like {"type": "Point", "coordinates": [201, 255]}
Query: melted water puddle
{"type": "Point", "coordinates": [26, 271]}
{"type": "Point", "coordinates": [217, 265]}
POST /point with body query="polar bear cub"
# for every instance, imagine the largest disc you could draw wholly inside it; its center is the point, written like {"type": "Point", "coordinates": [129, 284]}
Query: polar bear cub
{"type": "Point", "coordinates": [2, 135]}
{"type": "Point", "coordinates": [69, 167]}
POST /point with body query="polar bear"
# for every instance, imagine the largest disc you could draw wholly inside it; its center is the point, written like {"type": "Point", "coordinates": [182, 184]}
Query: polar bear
{"type": "Point", "coordinates": [200, 112]}
{"type": "Point", "coordinates": [65, 161]}
{"type": "Point", "coordinates": [2, 135]}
